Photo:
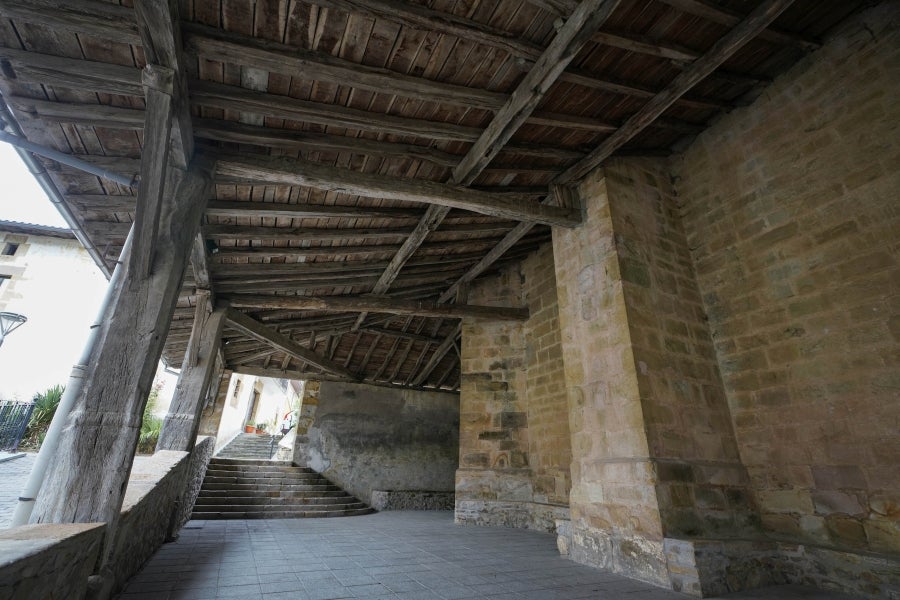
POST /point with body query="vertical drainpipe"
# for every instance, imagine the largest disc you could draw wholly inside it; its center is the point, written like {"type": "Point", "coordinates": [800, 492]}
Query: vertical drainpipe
{"type": "Point", "coordinates": [11, 133]}
{"type": "Point", "coordinates": [73, 389]}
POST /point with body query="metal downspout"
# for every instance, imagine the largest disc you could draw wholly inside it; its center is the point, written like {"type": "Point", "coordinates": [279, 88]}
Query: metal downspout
{"type": "Point", "coordinates": [12, 134]}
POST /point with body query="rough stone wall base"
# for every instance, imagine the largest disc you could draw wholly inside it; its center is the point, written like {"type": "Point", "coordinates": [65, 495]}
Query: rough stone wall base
{"type": "Point", "coordinates": [634, 557]}
{"type": "Point", "coordinates": [521, 515]}
{"type": "Point", "coordinates": [412, 500]}
{"type": "Point", "coordinates": [704, 568]}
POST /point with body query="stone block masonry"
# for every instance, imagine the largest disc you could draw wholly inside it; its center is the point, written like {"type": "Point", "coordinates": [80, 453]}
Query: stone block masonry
{"type": "Point", "coordinates": [515, 446]}
{"type": "Point", "coordinates": [791, 211]}
{"type": "Point", "coordinates": [722, 353]}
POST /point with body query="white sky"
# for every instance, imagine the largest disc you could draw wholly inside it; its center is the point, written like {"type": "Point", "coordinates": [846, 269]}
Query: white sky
{"type": "Point", "coordinates": [22, 197]}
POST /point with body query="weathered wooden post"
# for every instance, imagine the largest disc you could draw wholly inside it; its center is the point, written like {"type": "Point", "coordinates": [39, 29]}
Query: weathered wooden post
{"type": "Point", "coordinates": [180, 427]}
{"type": "Point", "coordinates": [87, 481]}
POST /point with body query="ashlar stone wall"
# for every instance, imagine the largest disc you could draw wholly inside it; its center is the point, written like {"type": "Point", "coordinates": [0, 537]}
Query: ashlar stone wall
{"type": "Point", "coordinates": [791, 209]}
{"type": "Point", "coordinates": [515, 445]}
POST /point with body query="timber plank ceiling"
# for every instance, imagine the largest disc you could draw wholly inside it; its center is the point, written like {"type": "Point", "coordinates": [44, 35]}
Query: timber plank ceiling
{"type": "Point", "coordinates": [346, 131]}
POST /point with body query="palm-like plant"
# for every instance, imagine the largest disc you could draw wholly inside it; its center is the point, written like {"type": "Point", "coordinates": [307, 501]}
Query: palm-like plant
{"type": "Point", "coordinates": [151, 425]}
{"type": "Point", "coordinates": [45, 405]}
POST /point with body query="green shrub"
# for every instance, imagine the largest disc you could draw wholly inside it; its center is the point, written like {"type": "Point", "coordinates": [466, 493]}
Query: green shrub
{"type": "Point", "coordinates": [45, 405]}
{"type": "Point", "coordinates": [151, 425]}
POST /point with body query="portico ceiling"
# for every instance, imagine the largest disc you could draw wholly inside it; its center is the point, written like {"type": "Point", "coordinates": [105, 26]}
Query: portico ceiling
{"type": "Point", "coordinates": [375, 156]}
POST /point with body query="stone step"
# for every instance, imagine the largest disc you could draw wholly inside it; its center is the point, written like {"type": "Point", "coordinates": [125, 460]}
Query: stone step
{"type": "Point", "coordinates": [259, 468]}
{"type": "Point", "coordinates": [274, 501]}
{"type": "Point", "coordinates": [217, 460]}
{"type": "Point", "coordinates": [238, 481]}
{"type": "Point", "coordinates": [285, 494]}
{"type": "Point", "coordinates": [289, 487]}
{"type": "Point", "coordinates": [230, 508]}
{"type": "Point", "coordinates": [284, 514]}
{"type": "Point", "coordinates": [260, 475]}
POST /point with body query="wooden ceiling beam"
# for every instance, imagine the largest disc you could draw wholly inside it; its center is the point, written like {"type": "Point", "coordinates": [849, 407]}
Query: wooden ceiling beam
{"type": "Point", "coordinates": [721, 51]}
{"type": "Point", "coordinates": [263, 333]}
{"type": "Point", "coordinates": [403, 334]}
{"type": "Point", "coordinates": [240, 133]}
{"type": "Point", "coordinates": [222, 208]}
{"type": "Point", "coordinates": [726, 46]}
{"type": "Point", "coordinates": [306, 234]}
{"type": "Point", "coordinates": [370, 185]}
{"type": "Point", "coordinates": [275, 57]}
{"type": "Point", "coordinates": [322, 283]}
{"type": "Point", "coordinates": [724, 16]}
{"type": "Point", "coordinates": [570, 38]}
{"type": "Point", "coordinates": [301, 374]}
{"type": "Point", "coordinates": [438, 355]}
{"type": "Point", "coordinates": [706, 10]}
{"type": "Point", "coordinates": [586, 18]}
{"type": "Point", "coordinates": [377, 304]}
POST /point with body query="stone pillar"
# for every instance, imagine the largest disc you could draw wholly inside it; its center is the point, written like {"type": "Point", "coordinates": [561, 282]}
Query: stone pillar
{"type": "Point", "coordinates": [654, 453]}
{"type": "Point", "coordinates": [514, 437]}
{"type": "Point", "coordinates": [180, 427]}
{"type": "Point", "coordinates": [86, 483]}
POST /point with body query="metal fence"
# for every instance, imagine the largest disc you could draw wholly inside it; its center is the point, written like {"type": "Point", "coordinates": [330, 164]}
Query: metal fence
{"type": "Point", "coordinates": [14, 417]}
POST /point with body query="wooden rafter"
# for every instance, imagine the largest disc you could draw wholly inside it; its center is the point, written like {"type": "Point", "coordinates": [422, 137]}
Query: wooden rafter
{"type": "Point", "coordinates": [282, 343]}
{"type": "Point", "coordinates": [304, 173]}
{"type": "Point", "coordinates": [376, 304]}
{"type": "Point", "coordinates": [727, 46]}
{"type": "Point", "coordinates": [730, 43]}
{"type": "Point", "coordinates": [586, 18]}
{"type": "Point", "coordinates": [438, 355]}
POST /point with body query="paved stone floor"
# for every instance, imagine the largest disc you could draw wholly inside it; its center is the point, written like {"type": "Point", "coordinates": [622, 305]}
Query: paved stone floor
{"type": "Point", "coordinates": [13, 474]}
{"type": "Point", "coordinates": [396, 555]}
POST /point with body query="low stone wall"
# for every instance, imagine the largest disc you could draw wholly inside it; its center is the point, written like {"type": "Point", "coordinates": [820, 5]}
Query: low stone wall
{"type": "Point", "coordinates": [203, 451]}
{"type": "Point", "coordinates": [48, 561]}
{"type": "Point", "coordinates": [155, 484]}
{"type": "Point", "coordinates": [411, 500]}
{"type": "Point", "coordinates": [704, 568]}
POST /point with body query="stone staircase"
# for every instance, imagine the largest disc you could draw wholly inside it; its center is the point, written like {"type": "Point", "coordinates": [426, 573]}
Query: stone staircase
{"type": "Point", "coordinates": [249, 445]}
{"type": "Point", "coordinates": [266, 489]}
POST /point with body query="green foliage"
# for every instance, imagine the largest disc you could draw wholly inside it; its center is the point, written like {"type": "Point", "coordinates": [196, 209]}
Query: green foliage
{"type": "Point", "coordinates": [151, 425]}
{"type": "Point", "coordinates": [45, 405]}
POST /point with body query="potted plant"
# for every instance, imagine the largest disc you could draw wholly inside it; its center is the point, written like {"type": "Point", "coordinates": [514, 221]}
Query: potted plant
{"type": "Point", "coordinates": [260, 428]}
{"type": "Point", "coordinates": [249, 427]}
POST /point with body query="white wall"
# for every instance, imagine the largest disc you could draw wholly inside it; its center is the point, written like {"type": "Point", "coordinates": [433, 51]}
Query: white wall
{"type": "Point", "coordinates": [59, 288]}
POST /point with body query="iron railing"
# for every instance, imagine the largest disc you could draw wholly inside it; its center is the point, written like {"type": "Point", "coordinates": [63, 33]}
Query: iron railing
{"type": "Point", "coordinates": [14, 416]}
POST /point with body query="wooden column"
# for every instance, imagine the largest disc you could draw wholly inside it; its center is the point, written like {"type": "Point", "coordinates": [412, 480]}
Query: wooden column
{"type": "Point", "coordinates": [180, 427]}
{"type": "Point", "coordinates": [86, 483]}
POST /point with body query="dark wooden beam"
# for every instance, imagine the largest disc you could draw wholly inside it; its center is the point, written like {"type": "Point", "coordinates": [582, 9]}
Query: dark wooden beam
{"type": "Point", "coordinates": [263, 333]}
{"type": "Point", "coordinates": [587, 17]}
{"type": "Point", "coordinates": [375, 304]}
{"type": "Point", "coordinates": [403, 334]}
{"type": "Point", "coordinates": [159, 26]}
{"type": "Point", "coordinates": [240, 133]}
{"type": "Point", "coordinates": [568, 41]}
{"type": "Point", "coordinates": [438, 355]}
{"type": "Point", "coordinates": [721, 51]}
{"type": "Point", "coordinates": [724, 16]}
{"type": "Point", "coordinates": [276, 57]}
{"type": "Point", "coordinates": [304, 173]}
{"type": "Point", "coordinates": [159, 91]}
